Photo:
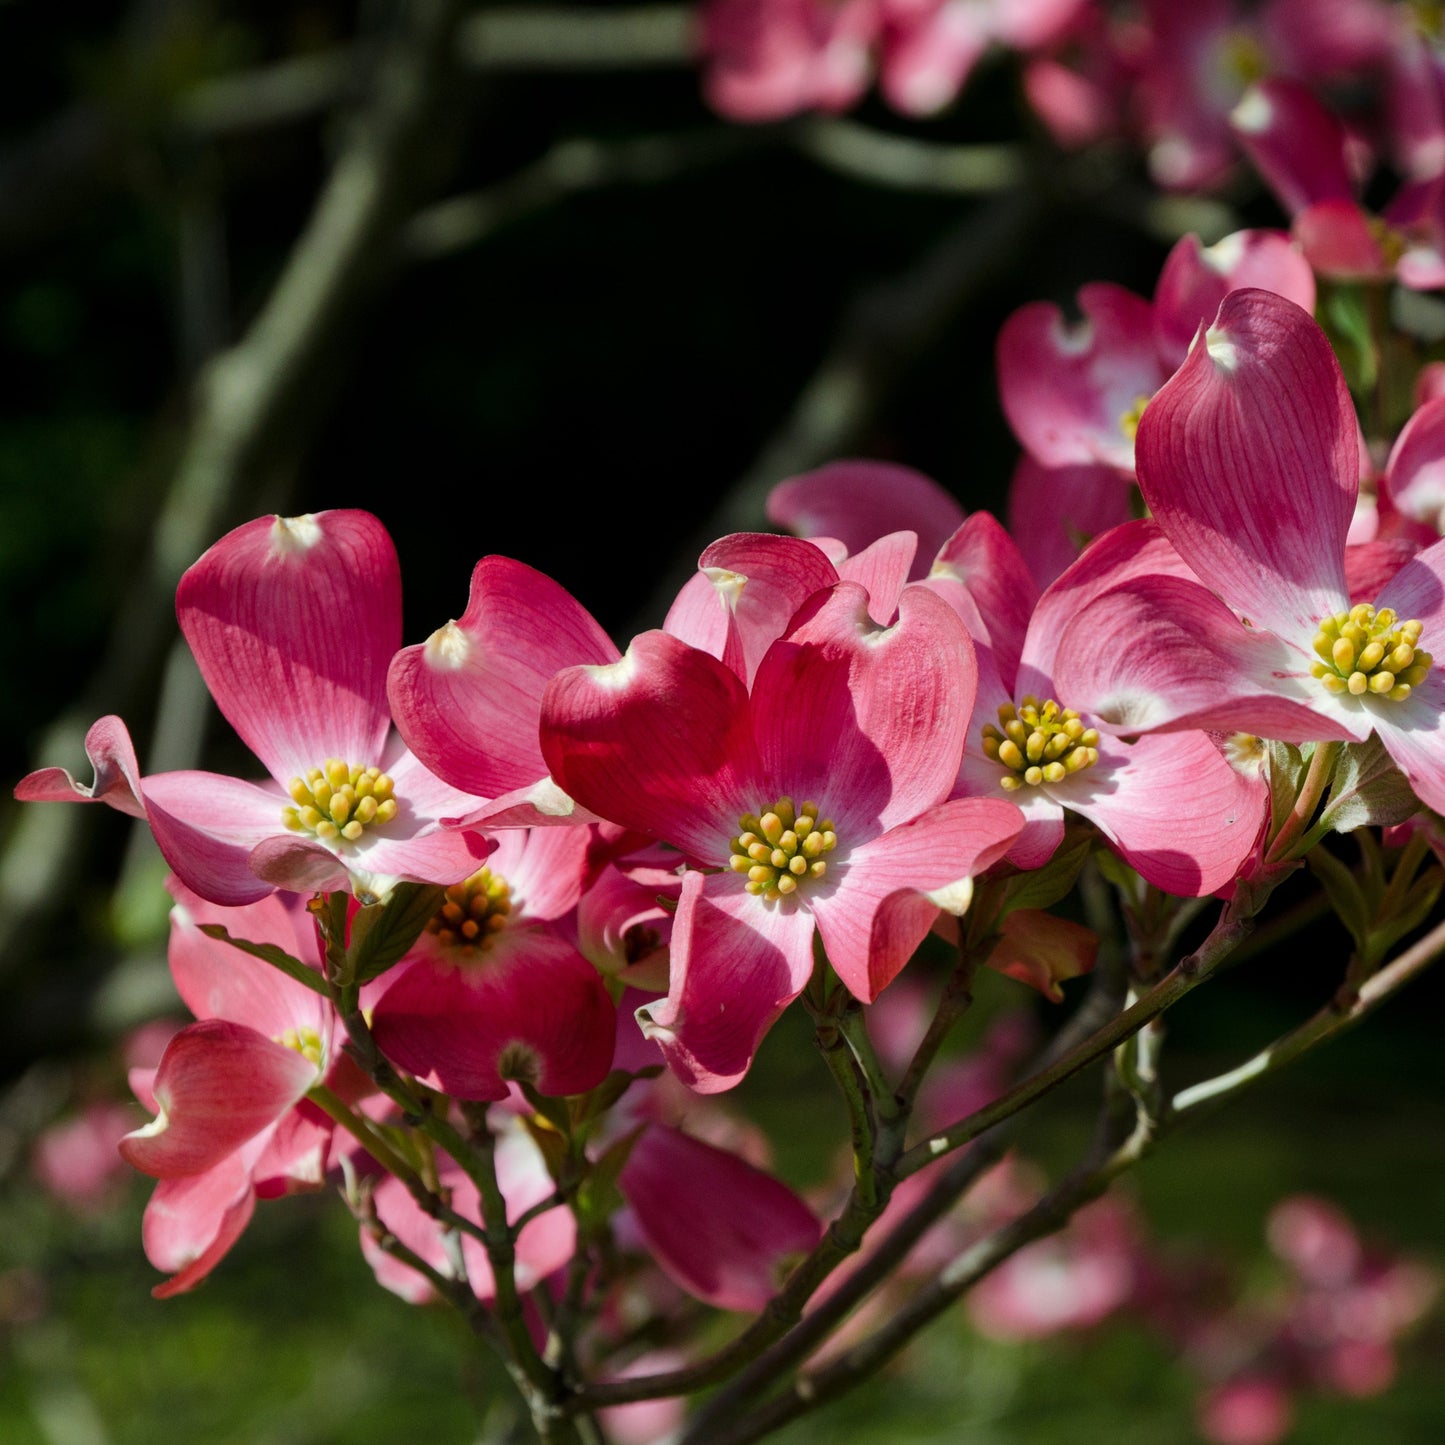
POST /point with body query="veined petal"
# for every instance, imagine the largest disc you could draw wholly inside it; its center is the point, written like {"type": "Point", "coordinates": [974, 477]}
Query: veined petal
{"type": "Point", "coordinates": [660, 742]}
{"type": "Point", "coordinates": [1135, 549]}
{"type": "Point", "coordinates": [744, 594]}
{"type": "Point", "coordinates": [190, 1224]}
{"type": "Point", "coordinates": [117, 774]}
{"type": "Point", "coordinates": [546, 869]}
{"type": "Point", "coordinates": [885, 709]}
{"type": "Point", "coordinates": [1413, 733]}
{"type": "Point", "coordinates": [722, 1229]}
{"type": "Point", "coordinates": [206, 825]}
{"type": "Point", "coordinates": [882, 569]}
{"type": "Point", "coordinates": [860, 501]}
{"type": "Point", "coordinates": [1175, 809]}
{"type": "Point", "coordinates": [293, 621]}
{"type": "Point", "coordinates": [737, 962]}
{"type": "Point", "coordinates": [1164, 654]}
{"type": "Point", "coordinates": [889, 891]}
{"type": "Point", "coordinates": [218, 1085]}
{"type": "Point", "coordinates": [1055, 512]}
{"type": "Point", "coordinates": [1248, 461]}
{"type": "Point", "coordinates": [467, 699]}
{"type": "Point", "coordinates": [1071, 392]}
{"type": "Point", "coordinates": [217, 980]}
{"type": "Point", "coordinates": [986, 560]}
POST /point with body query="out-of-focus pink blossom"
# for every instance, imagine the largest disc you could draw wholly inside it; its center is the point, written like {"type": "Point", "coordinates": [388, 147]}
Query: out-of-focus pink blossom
{"type": "Point", "coordinates": [1247, 1411]}
{"type": "Point", "coordinates": [76, 1160]}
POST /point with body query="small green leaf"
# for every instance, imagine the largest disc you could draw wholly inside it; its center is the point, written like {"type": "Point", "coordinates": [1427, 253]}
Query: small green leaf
{"type": "Point", "coordinates": [1285, 768]}
{"type": "Point", "coordinates": [381, 933]}
{"type": "Point", "coordinates": [598, 1197]}
{"type": "Point", "coordinates": [1367, 789]}
{"type": "Point", "coordinates": [276, 957]}
{"type": "Point", "coordinates": [1419, 903]}
{"type": "Point", "coordinates": [1043, 887]}
{"type": "Point", "coordinates": [556, 1152]}
{"type": "Point", "coordinates": [1344, 894]}
{"type": "Point", "coordinates": [1346, 317]}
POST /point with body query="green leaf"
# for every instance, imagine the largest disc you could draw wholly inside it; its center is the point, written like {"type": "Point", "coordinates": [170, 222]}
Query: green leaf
{"type": "Point", "coordinates": [598, 1197]}
{"type": "Point", "coordinates": [1367, 789]}
{"type": "Point", "coordinates": [556, 1152]}
{"type": "Point", "coordinates": [1042, 887]}
{"type": "Point", "coordinates": [1419, 903]}
{"type": "Point", "coordinates": [1346, 317]}
{"type": "Point", "coordinates": [1285, 769]}
{"type": "Point", "coordinates": [600, 1099]}
{"type": "Point", "coordinates": [276, 957]}
{"type": "Point", "coordinates": [555, 1111]}
{"type": "Point", "coordinates": [381, 933]}
{"type": "Point", "coordinates": [1344, 893]}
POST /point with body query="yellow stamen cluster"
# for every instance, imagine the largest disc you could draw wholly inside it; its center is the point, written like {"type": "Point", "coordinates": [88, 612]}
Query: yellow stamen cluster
{"type": "Point", "coordinates": [1039, 743]}
{"type": "Point", "coordinates": [339, 800]}
{"type": "Point", "coordinates": [1363, 651]}
{"type": "Point", "coordinates": [1245, 57]}
{"type": "Point", "coordinates": [1129, 422]}
{"type": "Point", "coordinates": [474, 910]}
{"type": "Point", "coordinates": [306, 1042]}
{"type": "Point", "coordinates": [783, 848]}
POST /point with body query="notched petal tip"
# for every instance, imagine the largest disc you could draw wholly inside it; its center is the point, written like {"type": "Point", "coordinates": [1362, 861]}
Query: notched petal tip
{"type": "Point", "coordinates": [953, 897]}
{"type": "Point", "coordinates": [448, 648]}
{"type": "Point", "coordinates": [1222, 352]}
{"type": "Point", "coordinates": [291, 536]}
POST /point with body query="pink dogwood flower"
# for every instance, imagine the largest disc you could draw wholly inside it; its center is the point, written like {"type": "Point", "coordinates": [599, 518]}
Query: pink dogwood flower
{"type": "Point", "coordinates": [812, 801]}
{"type": "Point", "coordinates": [467, 699]}
{"type": "Point", "coordinates": [1305, 156]}
{"type": "Point", "coordinates": [1172, 807]}
{"type": "Point", "coordinates": [228, 1129]}
{"type": "Point", "coordinates": [292, 621]}
{"type": "Point", "coordinates": [1250, 465]}
{"type": "Point", "coordinates": [494, 988]}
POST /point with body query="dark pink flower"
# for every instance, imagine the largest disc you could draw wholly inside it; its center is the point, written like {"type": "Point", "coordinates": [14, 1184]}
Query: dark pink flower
{"type": "Point", "coordinates": [843, 744]}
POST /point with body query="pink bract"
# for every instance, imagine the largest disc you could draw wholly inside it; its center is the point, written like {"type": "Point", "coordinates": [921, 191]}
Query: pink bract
{"type": "Point", "coordinates": [669, 742]}
{"type": "Point", "coordinates": [513, 998]}
{"type": "Point", "coordinates": [1249, 463]}
{"type": "Point", "coordinates": [292, 622]}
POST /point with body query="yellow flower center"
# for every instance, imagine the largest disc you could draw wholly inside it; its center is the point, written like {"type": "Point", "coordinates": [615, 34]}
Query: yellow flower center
{"type": "Point", "coordinates": [1039, 743]}
{"type": "Point", "coordinates": [1363, 651]}
{"type": "Point", "coordinates": [306, 1042]}
{"type": "Point", "coordinates": [782, 848]}
{"type": "Point", "coordinates": [339, 800]}
{"type": "Point", "coordinates": [1129, 421]}
{"type": "Point", "coordinates": [474, 911]}
{"type": "Point", "coordinates": [1244, 57]}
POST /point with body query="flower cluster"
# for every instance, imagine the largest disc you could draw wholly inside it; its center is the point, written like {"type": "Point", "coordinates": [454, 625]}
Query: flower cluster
{"type": "Point", "coordinates": [510, 900]}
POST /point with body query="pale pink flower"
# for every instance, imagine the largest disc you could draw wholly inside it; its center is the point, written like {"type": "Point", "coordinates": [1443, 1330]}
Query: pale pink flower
{"type": "Point", "coordinates": [292, 622]}
{"type": "Point", "coordinates": [226, 1091]}
{"type": "Point", "coordinates": [544, 1245]}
